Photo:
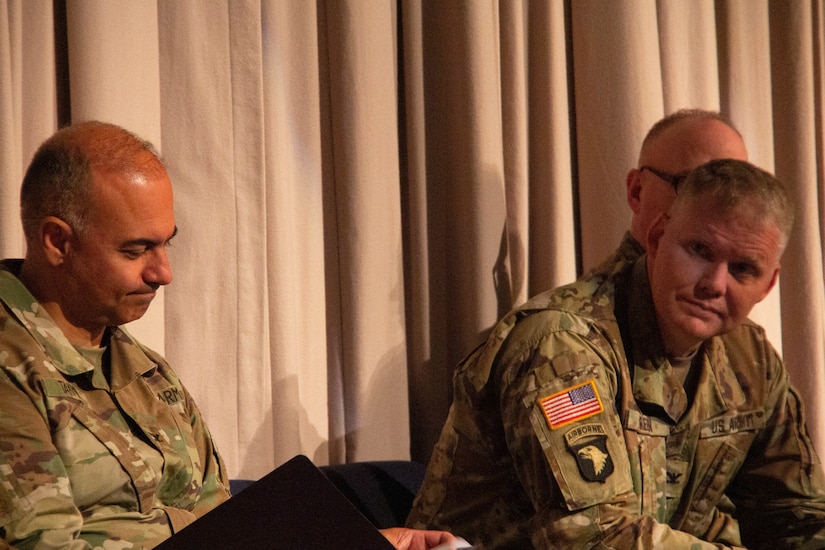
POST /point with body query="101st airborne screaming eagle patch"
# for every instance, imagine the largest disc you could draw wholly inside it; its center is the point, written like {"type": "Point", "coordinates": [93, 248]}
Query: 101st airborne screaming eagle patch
{"type": "Point", "coordinates": [588, 443]}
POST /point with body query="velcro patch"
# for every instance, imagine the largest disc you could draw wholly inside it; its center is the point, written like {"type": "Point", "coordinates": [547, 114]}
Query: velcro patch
{"type": "Point", "coordinates": [575, 403]}
{"type": "Point", "coordinates": [170, 395]}
{"type": "Point", "coordinates": [59, 388]}
{"type": "Point", "coordinates": [739, 422]}
{"type": "Point", "coordinates": [588, 444]}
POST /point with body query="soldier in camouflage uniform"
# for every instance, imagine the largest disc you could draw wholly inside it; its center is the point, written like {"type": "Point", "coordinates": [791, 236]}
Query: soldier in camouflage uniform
{"type": "Point", "coordinates": [638, 407]}
{"type": "Point", "coordinates": [100, 443]}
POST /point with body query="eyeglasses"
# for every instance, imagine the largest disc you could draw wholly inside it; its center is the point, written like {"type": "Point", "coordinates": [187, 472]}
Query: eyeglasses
{"type": "Point", "coordinates": [673, 179]}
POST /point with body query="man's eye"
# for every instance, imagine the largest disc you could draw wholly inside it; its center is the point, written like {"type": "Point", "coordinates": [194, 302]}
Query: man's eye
{"type": "Point", "coordinates": [742, 270]}
{"type": "Point", "coordinates": [133, 253]}
{"type": "Point", "coordinates": [700, 250]}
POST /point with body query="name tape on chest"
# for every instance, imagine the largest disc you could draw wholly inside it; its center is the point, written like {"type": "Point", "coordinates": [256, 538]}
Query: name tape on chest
{"type": "Point", "coordinates": [170, 395]}
{"type": "Point", "coordinates": [734, 423]}
{"type": "Point", "coordinates": [575, 403]}
{"type": "Point", "coordinates": [59, 388]}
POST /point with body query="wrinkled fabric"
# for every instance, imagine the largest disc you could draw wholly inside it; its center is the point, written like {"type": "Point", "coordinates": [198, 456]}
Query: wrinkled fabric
{"type": "Point", "coordinates": [89, 459]}
{"type": "Point", "coordinates": [569, 429]}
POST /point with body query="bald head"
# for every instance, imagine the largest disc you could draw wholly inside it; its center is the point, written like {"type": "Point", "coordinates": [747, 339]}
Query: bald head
{"type": "Point", "coordinates": [686, 139]}
{"type": "Point", "coordinates": [60, 177]}
{"type": "Point", "coordinates": [673, 147]}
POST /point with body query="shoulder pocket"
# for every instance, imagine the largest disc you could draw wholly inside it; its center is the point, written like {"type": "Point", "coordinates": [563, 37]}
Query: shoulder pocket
{"type": "Point", "coordinates": [575, 420]}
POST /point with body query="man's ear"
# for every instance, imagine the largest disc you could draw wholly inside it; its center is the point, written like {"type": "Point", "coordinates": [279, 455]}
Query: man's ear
{"type": "Point", "coordinates": [56, 238]}
{"type": "Point", "coordinates": [654, 234]}
{"type": "Point", "coordinates": [771, 284]}
{"type": "Point", "coordinates": [634, 189]}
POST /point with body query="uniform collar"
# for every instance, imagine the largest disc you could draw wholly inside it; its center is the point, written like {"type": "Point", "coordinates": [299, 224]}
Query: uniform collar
{"type": "Point", "coordinates": [629, 251]}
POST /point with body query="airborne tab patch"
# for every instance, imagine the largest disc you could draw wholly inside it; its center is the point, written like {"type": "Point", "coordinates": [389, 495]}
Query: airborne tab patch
{"type": "Point", "coordinates": [576, 403]}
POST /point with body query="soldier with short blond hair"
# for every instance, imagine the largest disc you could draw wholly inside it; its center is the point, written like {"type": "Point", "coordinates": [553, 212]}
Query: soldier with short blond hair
{"type": "Point", "coordinates": [639, 407]}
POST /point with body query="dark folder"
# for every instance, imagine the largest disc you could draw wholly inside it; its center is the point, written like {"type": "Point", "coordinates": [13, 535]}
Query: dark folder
{"type": "Point", "coordinates": [294, 507]}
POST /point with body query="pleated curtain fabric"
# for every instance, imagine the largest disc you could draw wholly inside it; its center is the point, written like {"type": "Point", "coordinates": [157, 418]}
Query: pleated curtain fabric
{"type": "Point", "coordinates": [363, 188]}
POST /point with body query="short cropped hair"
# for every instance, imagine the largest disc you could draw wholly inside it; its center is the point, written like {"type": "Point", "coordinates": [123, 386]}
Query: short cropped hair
{"type": "Point", "coordinates": [58, 181]}
{"type": "Point", "coordinates": [728, 183]}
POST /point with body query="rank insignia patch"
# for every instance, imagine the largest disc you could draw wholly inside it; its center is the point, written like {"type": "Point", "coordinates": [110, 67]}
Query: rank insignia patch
{"type": "Point", "coordinates": [572, 404]}
{"type": "Point", "coordinates": [588, 444]}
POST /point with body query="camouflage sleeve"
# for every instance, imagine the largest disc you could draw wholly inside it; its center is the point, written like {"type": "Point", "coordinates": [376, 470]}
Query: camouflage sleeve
{"type": "Point", "coordinates": [565, 436]}
{"type": "Point", "coordinates": [35, 494]}
{"type": "Point", "coordinates": [780, 490]}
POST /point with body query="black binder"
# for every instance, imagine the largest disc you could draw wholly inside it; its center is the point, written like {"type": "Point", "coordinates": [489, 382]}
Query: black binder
{"type": "Point", "coordinates": [294, 507]}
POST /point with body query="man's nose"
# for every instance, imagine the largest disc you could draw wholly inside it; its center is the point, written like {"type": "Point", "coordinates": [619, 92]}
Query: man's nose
{"type": "Point", "coordinates": [714, 280]}
{"type": "Point", "coordinates": [158, 271]}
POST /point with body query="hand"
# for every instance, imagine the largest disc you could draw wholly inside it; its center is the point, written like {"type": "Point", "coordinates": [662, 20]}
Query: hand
{"type": "Point", "coordinates": [415, 539]}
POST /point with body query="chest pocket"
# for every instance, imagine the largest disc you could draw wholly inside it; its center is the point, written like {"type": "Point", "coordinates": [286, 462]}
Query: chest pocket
{"type": "Point", "coordinates": [720, 450]}
{"type": "Point", "coordinates": [575, 420]}
{"type": "Point", "coordinates": [658, 477]}
{"type": "Point", "coordinates": [102, 457]}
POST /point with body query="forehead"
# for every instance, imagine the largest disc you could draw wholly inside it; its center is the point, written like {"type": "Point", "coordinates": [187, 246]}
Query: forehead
{"type": "Point", "coordinates": [738, 231]}
{"type": "Point", "coordinates": [135, 202]}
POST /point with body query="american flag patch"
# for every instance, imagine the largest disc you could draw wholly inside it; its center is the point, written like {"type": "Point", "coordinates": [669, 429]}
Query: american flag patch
{"type": "Point", "coordinates": [571, 404]}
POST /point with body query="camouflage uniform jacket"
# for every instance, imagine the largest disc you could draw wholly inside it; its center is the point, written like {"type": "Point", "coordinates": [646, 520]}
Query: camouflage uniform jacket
{"type": "Point", "coordinates": [89, 460]}
{"type": "Point", "coordinates": [569, 430]}
{"type": "Point", "coordinates": [628, 252]}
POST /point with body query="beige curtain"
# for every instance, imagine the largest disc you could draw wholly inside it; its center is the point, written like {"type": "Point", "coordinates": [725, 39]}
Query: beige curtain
{"type": "Point", "coordinates": [364, 186]}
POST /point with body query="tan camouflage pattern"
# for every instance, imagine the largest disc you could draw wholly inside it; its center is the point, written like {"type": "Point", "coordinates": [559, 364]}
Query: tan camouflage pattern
{"type": "Point", "coordinates": [90, 461]}
{"type": "Point", "coordinates": [628, 251]}
{"type": "Point", "coordinates": [683, 471]}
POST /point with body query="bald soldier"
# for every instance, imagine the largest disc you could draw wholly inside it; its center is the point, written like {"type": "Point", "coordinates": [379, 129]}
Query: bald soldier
{"type": "Point", "coordinates": [673, 147]}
